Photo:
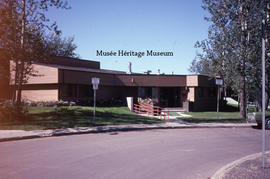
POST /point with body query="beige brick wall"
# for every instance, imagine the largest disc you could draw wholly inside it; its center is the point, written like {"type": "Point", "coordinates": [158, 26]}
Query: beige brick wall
{"type": "Point", "coordinates": [40, 95]}
{"type": "Point", "coordinates": [192, 80]}
{"type": "Point", "coordinates": [191, 94]}
{"type": "Point", "coordinates": [46, 75]}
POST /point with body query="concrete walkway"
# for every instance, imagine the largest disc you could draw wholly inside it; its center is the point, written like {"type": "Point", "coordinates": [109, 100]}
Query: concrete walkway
{"type": "Point", "coordinates": [8, 135]}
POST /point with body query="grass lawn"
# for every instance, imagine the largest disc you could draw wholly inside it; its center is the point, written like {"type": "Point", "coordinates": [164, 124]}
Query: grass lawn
{"type": "Point", "coordinates": [234, 107]}
{"type": "Point", "coordinates": [210, 117]}
{"type": "Point", "coordinates": [39, 118]}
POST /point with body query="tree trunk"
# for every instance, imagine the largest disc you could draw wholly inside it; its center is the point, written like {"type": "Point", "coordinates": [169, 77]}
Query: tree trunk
{"type": "Point", "coordinates": [243, 93]}
{"type": "Point", "coordinates": [243, 25]}
{"type": "Point", "coordinates": [14, 89]}
{"type": "Point", "coordinates": [243, 104]}
{"type": "Point", "coordinates": [21, 64]}
{"type": "Point", "coordinates": [259, 101]}
{"type": "Point", "coordinates": [20, 82]}
{"type": "Point", "coordinates": [266, 101]}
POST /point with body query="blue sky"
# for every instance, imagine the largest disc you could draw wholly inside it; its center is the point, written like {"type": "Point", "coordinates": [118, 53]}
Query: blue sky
{"type": "Point", "coordinates": [137, 25]}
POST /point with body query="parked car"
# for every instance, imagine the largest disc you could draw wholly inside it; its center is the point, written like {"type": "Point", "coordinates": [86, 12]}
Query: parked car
{"type": "Point", "coordinates": [257, 116]}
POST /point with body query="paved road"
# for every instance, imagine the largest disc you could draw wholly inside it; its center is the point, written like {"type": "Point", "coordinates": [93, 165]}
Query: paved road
{"type": "Point", "coordinates": [174, 153]}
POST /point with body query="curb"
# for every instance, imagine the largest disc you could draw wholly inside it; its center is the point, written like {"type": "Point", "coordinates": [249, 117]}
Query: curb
{"type": "Point", "coordinates": [83, 130]}
{"type": "Point", "coordinates": [222, 171]}
{"type": "Point", "coordinates": [140, 128]}
{"type": "Point", "coordinates": [20, 138]}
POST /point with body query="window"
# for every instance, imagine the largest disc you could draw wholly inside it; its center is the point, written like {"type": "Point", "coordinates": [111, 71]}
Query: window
{"type": "Point", "coordinates": [141, 92]}
{"type": "Point", "coordinates": [85, 91]}
{"type": "Point", "coordinates": [154, 92]}
{"type": "Point", "coordinates": [145, 92]}
{"type": "Point", "coordinates": [67, 90]}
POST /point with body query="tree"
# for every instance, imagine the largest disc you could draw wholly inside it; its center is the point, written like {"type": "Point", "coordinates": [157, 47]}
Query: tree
{"type": "Point", "coordinates": [233, 45]}
{"type": "Point", "coordinates": [201, 66]}
{"type": "Point", "coordinates": [22, 40]}
{"type": "Point", "coordinates": [58, 46]}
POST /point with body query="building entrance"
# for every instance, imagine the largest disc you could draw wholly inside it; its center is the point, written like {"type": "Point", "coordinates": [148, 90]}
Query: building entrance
{"type": "Point", "coordinates": [170, 97]}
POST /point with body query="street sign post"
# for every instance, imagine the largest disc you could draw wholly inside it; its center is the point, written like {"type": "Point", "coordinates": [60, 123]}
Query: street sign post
{"type": "Point", "coordinates": [95, 83]}
{"type": "Point", "coordinates": [263, 94]}
{"type": "Point", "coordinates": [219, 82]}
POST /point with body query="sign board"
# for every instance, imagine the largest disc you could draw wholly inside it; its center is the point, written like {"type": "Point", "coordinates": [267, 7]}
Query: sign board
{"type": "Point", "coordinates": [95, 83]}
{"type": "Point", "coordinates": [219, 82]}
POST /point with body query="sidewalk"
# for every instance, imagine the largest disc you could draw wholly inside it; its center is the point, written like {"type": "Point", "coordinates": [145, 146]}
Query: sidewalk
{"type": "Point", "coordinates": [8, 135]}
{"type": "Point", "coordinates": [249, 167]}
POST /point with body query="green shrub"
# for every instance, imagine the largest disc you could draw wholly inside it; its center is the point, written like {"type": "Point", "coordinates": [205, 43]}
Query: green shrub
{"type": "Point", "coordinates": [8, 111]}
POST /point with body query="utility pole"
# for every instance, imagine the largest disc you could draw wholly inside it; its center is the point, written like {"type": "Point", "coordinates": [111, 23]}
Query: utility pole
{"type": "Point", "coordinates": [263, 94]}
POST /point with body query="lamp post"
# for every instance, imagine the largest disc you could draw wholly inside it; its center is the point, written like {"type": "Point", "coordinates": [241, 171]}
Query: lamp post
{"type": "Point", "coordinates": [219, 82]}
{"type": "Point", "coordinates": [95, 83]}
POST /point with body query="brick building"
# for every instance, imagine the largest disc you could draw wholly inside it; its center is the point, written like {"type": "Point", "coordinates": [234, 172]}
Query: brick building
{"type": "Point", "coordinates": [69, 79]}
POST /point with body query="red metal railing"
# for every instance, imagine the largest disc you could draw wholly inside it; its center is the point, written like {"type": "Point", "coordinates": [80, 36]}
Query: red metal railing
{"type": "Point", "coordinates": [150, 109]}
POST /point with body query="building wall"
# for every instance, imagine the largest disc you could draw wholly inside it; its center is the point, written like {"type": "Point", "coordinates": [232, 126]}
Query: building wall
{"type": "Point", "coordinates": [73, 62]}
{"type": "Point", "coordinates": [116, 92]}
{"type": "Point", "coordinates": [200, 80]}
{"type": "Point", "coordinates": [191, 94]}
{"type": "Point", "coordinates": [201, 94]}
{"type": "Point", "coordinates": [40, 95]}
{"type": "Point", "coordinates": [205, 102]}
{"type": "Point", "coordinates": [72, 77]}
{"type": "Point", "coordinates": [151, 80]}
{"type": "Point", "coordinates": [47, 85]}
{"type": "Point", "coordinates": [40, 92]}
{"type": "Point", "coordinates": [206, 81]}
{"type": "Point", "coordinates": [44, 74]}
{"type": "Point", "coordinates": [204, 105]}
{"type": "Point", "coordinates": [72, 92]}
{"type": "Point", "coordinates": [108, 92]}
{"type": "Point", "coordinates": [81, 77]}
{"type": "Point", "coordinates": [41, 87]}
{"type": "Point", "coordinates": [192, 80]}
